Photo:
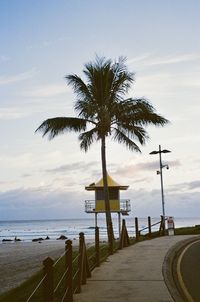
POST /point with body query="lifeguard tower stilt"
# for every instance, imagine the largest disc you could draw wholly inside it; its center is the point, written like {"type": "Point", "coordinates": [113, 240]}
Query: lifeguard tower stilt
{"type": "Point", "coordinates": [117, 205]}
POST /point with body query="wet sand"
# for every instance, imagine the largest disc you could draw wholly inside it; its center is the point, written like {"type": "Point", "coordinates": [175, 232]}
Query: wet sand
{"type": "Point", "coordinates": [20, 260]}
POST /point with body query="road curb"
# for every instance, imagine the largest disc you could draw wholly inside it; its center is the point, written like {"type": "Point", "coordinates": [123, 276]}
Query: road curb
{"type": "Point", "coordinates": [169, 271]}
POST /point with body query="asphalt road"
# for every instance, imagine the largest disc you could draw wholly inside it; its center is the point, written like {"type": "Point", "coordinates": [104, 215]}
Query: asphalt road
{"type": "Point", "coordinates": [188, 268]}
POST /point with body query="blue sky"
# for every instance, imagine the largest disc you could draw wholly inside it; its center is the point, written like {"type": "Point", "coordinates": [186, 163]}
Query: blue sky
{"type": "Point", "coordinates": [40, 43]}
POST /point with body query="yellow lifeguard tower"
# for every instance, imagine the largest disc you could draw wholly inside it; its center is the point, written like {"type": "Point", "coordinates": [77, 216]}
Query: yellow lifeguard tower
{"type": "Point", "coordinates": [117, 205]}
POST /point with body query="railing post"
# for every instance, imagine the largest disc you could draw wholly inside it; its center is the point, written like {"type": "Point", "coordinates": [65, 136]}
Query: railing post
{"type": "Point", "coordinates": [97, 251]}
{"type": "Point", "coordinates": [84, 273]}
{"type": "Point", "coordinates": [126, 235]}
{"type": "Point", "coordinates": [48, 281]}
{"type": "Point", "coordinates": [124, 238]}
{"type": "Point", "coordinates": [80, 262]}
{"type": "Point", "coordinates": [86, 263]}
{"type": "Point", "coordinates": [111, 238]}
{"type": "Point", "coordinates": [121, 242]}
{"type": "Point", "coordinates": [149, 226]}
{"type": "Point", "coordinates": [69, 277]}
{"type": "Point", "coordinates": [164, 217]}
{"type": "Point", "coordinates": [83, 264]}
{"type": "Point", "coordinates": [136, 229]}
{"type": "Point", "coordinates": [162, 226]}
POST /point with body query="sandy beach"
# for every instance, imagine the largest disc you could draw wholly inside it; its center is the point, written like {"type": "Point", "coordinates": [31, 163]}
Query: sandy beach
{"type": "Point", "coordinates": [20, 260]}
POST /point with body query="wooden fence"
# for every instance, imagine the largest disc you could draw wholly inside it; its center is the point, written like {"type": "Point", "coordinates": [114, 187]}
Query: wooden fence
{"type": "Point", "coordinates": [78, 269]}
{"type": "Point", "coordinates": [161, 224]}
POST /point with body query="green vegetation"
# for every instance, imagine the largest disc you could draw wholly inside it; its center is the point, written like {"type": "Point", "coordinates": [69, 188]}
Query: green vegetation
{"type": "Point", "coordinates": [22, 292]}
{"type": "Point", "coordinates": [194, 230]}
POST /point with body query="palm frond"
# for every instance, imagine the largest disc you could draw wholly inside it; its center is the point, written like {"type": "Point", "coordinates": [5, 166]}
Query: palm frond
{"type": "Point", "coordinates": [138, 112]}
{"type": "Point", "coordinates": [79, 87]}
{"type": "Point", "coordinates": [87, 138]}
{"type": "Point", "coordinates": [134, 132]}
{"type": "Point", "coordinates": [99, 78]}
{"type": "Point", "coordinates": [59, 125]}
{"type": "Point", "coordinates": [100, 64]}
{"type": "Point", "coordinates": [86, 109]}
{"type": "Point", "coordinates": [146, 114]}
{"type": "Point", "coordinates": [108, 81]}
{"type": "Point", "coordinates": [121, 137]}
{"type": "Point", "coordinates": [122, 78]}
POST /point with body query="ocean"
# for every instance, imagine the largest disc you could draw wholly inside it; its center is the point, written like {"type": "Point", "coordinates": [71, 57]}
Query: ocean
{"type": "Point", "coordinates": [26, 230]}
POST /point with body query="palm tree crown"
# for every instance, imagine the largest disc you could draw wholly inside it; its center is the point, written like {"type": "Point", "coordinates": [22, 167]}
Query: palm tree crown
{"type": "Point", "coordinates": [101, 103]}
{"type": "Point", "coordinates": [104, 110]}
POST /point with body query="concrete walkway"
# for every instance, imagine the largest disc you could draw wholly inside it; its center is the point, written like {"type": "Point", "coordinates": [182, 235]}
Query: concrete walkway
{"type": "Point", "coordinates": [133, 274]}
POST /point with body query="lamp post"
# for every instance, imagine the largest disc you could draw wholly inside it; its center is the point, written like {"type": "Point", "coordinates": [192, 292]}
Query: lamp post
{"type": "Point", "coordinates": [161, 176]}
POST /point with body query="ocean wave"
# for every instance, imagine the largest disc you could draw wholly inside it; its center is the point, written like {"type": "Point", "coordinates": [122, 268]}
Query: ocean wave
{"type": "Point", "coordinates": [71, 228]}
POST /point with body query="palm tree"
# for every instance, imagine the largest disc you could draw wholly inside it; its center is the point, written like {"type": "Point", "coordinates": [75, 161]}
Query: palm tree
{"type": "Point", "coordinates": [102, 111]}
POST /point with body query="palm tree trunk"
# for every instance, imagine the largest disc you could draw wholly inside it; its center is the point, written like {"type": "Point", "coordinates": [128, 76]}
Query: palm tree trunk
{"type": "Point", "coordinates": [106, 196]}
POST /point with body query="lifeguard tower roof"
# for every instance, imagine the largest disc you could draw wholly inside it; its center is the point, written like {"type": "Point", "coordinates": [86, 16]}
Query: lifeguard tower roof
{"type": "Point", "coordinates": [111, 184]}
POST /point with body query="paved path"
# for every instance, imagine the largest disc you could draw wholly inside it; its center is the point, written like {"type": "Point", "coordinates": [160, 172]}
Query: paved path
{"type": "Point", "coordinates": [131, 275]}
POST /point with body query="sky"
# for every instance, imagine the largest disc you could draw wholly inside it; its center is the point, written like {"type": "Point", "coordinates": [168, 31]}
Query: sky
{"type": "Point", "coordinates": [43, 41]}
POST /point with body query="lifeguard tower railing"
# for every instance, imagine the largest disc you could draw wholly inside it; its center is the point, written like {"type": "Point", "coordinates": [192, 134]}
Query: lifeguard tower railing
{"type": "Point", "coordinates": [125, 206]}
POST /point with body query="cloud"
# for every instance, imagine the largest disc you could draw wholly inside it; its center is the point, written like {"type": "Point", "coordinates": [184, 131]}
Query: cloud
{"type": "Point", "coordinates": [176, 84]}
{"type": "Point", "coordinates": [152, 60]}
{"type": "Point", "coordinates": [10, 113]}
{"type": "Point", "coordinates": [183, 203]}
{"type": "Point", "coordinates": [18, 160]}
{"type": "Point", "coordinates": [47, 43]}
{"type": "Point", "coordinates": [26, 175]}
{"type": "Point", "coordinates": [46, 91]}
{"type": "Point", "coordinates": [78, 166]}
{"type": "Point", "coordinates": [194, 185]}
{"type": "Point", "coordinates": [173, 59]}
{"type": "Point", "coordinates": [8, 79]}
{"type": "Point", "coordinates": [185, 186]}
{"type": "Point", "coordinates": [153, 80]}
{"type": "Point", "coordinates": [138, 59]}
{"type": "Point", "coordinates": [134, 169]}
{"type": "Point", "coordinates": [45, 202]}
{"type": "Point", "coordinates": [148, 203]}
{"type": "Point", "coordinates": [40, 203]}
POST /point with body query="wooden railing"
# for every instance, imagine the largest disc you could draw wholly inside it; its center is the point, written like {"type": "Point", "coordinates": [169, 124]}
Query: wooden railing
{"type": "Point", "coordinates": [124, 238]}
{"type": "Point", "coordinates": [77, 269]}
{"type": "Point", "coordinates": [161, 224]}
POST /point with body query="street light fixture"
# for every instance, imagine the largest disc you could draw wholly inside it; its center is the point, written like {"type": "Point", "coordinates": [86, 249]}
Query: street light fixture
{"type": "Point", "coordinates": [161, 176]}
